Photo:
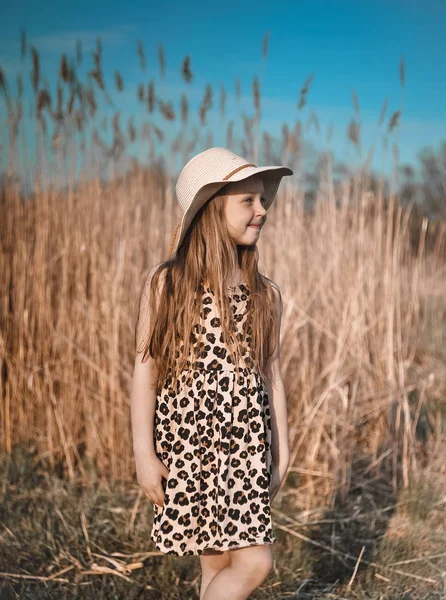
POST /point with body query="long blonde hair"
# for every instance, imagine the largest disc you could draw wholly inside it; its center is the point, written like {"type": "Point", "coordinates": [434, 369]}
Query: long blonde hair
{"type": "Point", "coordinates": [172, 297]}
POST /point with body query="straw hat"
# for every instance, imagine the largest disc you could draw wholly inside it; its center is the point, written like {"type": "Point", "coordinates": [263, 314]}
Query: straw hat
{"type": "Point", "coordinates": [208, 172]}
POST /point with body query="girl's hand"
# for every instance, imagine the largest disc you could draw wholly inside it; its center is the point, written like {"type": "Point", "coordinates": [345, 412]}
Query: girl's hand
{"type": "Point", "coordinates": [150, 471]}
{"type": "Point", "coordinates": [278, 473]}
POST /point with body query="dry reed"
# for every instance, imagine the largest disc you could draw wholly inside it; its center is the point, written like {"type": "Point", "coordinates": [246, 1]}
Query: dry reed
{"type": "Point", "coordinates": [357, 300]}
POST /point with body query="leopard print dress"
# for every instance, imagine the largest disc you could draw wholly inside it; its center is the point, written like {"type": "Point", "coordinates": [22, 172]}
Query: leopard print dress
{"type": "Point", "coordinates": [213, 433]}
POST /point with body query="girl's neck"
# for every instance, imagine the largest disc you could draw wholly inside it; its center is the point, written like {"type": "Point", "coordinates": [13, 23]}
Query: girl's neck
{"type": "Point", "coordinates": [236, 279]}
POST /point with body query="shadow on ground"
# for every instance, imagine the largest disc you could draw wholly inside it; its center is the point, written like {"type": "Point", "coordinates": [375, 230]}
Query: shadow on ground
{"type": "Point", "coordinates": [358, 520]}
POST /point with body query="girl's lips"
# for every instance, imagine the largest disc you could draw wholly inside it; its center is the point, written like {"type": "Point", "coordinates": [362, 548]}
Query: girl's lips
{"type": "Point", "coordinates": [256, 226]}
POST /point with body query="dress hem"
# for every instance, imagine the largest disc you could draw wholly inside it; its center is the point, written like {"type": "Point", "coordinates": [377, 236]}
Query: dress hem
{"type": "Point", "coordinates": [226, 546]}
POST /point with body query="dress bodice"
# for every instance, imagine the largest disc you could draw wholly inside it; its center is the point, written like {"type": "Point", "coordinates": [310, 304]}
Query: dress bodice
{"type": "Point", "coordinates": [212, 351]}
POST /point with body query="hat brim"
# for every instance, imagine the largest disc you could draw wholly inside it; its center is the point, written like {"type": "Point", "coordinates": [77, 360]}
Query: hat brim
{"type": "Point", "coordinates": [271, 181]}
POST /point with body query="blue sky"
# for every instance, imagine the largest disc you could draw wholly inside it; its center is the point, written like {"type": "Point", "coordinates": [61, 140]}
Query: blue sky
{"type": "Point", "coordinates": [345, 44]}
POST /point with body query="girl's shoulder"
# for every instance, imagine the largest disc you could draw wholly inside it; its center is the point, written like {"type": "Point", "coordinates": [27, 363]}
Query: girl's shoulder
{"type": "Point", "coordinates": [147, 278]}
{"type": "Point", "coordinates": [151, 272]}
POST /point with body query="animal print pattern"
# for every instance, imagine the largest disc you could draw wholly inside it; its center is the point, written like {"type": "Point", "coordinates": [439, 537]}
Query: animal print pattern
{"type": "Point", "coordinates": [213, 433]}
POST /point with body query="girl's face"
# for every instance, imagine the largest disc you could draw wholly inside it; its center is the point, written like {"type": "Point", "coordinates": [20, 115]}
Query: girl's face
{"type": "Point", "coordinates": [245, 210]}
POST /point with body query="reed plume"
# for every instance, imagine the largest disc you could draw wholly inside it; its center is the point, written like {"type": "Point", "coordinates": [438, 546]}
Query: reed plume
{"type": "Point", "coordinates": [256, 95]}
{"type": "Point", "coordinates": [304, 91]}
{"type": "Point", "coordinates": [96, 73]}
{"type": "Point", "coordinates": [35, 75]}
{"type": "Point", "coordinates": [184, 109]}
{"type": "Point", "coordinates": [185, 70]}
{"type": "Point", "coordinates": [151, 97]}
{"type": "Point", "coordinates": [140, 92]}
{"type": "Point", "coordinates": [161, 60]}
{"type": "Point", "coordinates": [43, 101]}
{"type": "Point", "coordinates": [118, 144]}
{"type": "Point", "coordinates": [19, 86]}
{"type": "Point", "coordinates": [78, 119]}
{"type": "Point", "coordinates": [4, 88]}
{"type": "Point", "coordinates": [119, 83]}
{"type": "Point", "coordinates": [89, 97]}
{"type": "Point", "coordinates": [167, 110]}
{"type": "Point", "coordinates": [43, 126]}
{"type": "Point", "coordinates": [131, 130]}
{"type": "Point", "coordinates": [159, 133]}
{"type": "Point", "coordinates": [394, 120]}
{"type": "Point", "coordinates": [142, 56]}
{"type": "Point", "coordinates": [22, 44]}
{"type": "Point", "coordinates": [353, 132]}
{"type": "Point", "coordinates": [383, 111]}
{"type": "Point", "coordinates": [222, 101]}
{"type": "Point", "coordinates": [58, 115]}
{"type": "Point", "coordinates": [64, 70]}
{"type": "Point", "coordinates": [206, 104]}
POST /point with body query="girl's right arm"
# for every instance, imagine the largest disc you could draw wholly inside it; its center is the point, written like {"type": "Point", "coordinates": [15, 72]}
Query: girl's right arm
{"type": "Point", "coordinates": [149, 468]}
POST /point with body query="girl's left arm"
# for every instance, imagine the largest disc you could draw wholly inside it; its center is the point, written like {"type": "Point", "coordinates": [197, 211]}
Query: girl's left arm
{"type": "Point", "coordinates": [280, 452]}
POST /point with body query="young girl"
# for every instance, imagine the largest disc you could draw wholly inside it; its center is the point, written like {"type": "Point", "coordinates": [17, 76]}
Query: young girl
{"type": "Point", "coordinates": [208, 410]}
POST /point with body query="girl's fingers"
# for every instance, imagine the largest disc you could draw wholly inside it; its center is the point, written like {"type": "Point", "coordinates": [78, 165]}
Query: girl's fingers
{"type": "Point", "coordinates": [156, 494]}
{"type": "Point", "coordinates": [160, 493]}
{"type": "Point", "coordinates": [157, 500]}
{"type": "Point", "coordinates": [151, 496]}
{"type": "Point", "coordinates": [154, 497]}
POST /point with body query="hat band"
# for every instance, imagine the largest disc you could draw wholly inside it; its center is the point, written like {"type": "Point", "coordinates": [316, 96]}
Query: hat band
{"type": "Point", "coordinates": [237, 170]}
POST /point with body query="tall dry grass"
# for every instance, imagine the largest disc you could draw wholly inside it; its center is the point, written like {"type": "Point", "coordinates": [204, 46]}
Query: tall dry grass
{"type": "Point", "coordinates": [362, 382]}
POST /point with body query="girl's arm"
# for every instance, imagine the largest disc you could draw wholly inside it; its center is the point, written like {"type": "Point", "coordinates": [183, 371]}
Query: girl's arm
{"type": "Point", "coordinates": [150, 469]}
{"type": "Point", "coordinates": [142, 405]}
{"type": "Point", "coordinates": [280, 452]}
{"type": "Point", "coordinates": [143, 391]}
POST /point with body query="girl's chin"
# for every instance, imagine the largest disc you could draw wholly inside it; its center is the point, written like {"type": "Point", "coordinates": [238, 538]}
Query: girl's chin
{"type": "Point", "coordinates": [250, 237]}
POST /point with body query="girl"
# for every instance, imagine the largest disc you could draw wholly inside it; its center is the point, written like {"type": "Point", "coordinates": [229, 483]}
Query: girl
{"type": "Point", "coordinates": [208, 410]}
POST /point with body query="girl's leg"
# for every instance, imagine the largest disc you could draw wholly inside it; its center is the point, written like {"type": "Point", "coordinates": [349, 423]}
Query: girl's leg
{"type": "Point", "coordinates": [212, 562]}
{"type": "Point", "coordinates": [248, 568]}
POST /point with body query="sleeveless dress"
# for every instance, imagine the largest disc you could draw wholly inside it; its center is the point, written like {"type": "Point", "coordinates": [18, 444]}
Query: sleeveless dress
{"type": "Point", "coordinates": [213, 433]}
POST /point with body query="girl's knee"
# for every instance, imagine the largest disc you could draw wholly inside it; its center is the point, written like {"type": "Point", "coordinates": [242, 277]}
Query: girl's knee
{"type": "Point", "coordinates": [254, 561]}
{"type": "Point", "coordinates": [214, 561]}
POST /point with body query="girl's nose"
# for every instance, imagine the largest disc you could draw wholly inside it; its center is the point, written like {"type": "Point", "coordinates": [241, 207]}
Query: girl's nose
{"type": "Point", "coordinates": [260, 209]}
